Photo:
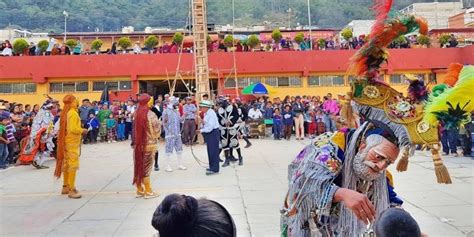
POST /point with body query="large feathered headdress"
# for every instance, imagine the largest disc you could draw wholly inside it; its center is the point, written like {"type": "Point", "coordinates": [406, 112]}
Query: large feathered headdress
{"type": "Point", "coordinates": [376, 100]}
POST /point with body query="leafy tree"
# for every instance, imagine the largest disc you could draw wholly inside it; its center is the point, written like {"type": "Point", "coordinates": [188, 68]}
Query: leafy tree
{"type": "Point", "coordinates": [96, 45]}
{"type": "Point", "coordinates": [347, 33]}
{"type": "Point", "coordinates": [400, 40]}
{"type": "Point", "coordinates": [299, 38]}
{"type": "Point", "coordinates": [322, 43]}
{"type": "Point", "coordinates": [276, 35]}
{"type": "Point", "coordinates": [178, 38]}
{"type": "Point", "coordinates": [124, 43]}
{"type": "Point", "coordinates": [43, 46]}
{"type": "Point", "coordinates": [423, 40]}
{"type": "Point", "coordinates": [444, 39]}
{"type": "Point", "coordinates": [71, 43]}
{"type": "Point", "coordinates": [19, 46]}
{"type": "Point", "coordinates": [229, 41]}
{"type": "Point", "coordinates": [151, 42]}
{"type": "Point", "coordinates": [253, 41]}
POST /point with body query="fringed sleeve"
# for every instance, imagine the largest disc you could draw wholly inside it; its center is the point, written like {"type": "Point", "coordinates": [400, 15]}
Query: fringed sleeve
{"type": "Point", "coordinates": [311, 187]}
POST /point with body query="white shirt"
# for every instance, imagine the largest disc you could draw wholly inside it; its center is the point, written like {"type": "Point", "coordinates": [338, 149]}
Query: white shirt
{"type": "Point", "coordinates": [255, 114]}
{"type": "Point", "coordinates": [209, 122]}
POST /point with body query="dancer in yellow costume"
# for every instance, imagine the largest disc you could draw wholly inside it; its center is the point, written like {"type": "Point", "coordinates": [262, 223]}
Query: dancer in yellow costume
{"type": "Point", "coordinates": [146, 131]}
{"type": "Point", "coordinates": [69, 142]}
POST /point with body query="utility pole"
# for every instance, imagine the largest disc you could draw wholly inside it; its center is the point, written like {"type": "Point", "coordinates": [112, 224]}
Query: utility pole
{"type": "Point", "coordinates": [66, 14]}
{"type": "Point", "coordinates": [309, 23]}
{"type": "Point", "coordinates": [289, 18]}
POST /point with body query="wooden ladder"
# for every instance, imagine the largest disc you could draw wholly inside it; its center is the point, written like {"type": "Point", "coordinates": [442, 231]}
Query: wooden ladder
{"type": "Point", "coordinates": [201, 63]}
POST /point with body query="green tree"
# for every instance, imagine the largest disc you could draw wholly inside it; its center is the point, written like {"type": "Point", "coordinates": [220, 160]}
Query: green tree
{"type": "Point", "coordinates": [423, 40]}
{"type": "Point", "coordinates": [400, 40]}
{"type": "Point", "coordinates": [347, 34]}
{"type": "Point", "coordinates": [229, 41]}
{"type": "Point", "coordinates": [444, 39]}
{"type": "Point", "coordinates": [71, 43]}
{"type": "Point", "coordinates": [96, 45]}
{"type": "Point", "coordinates": [43, 46]}
{"type": "Point", "coordinates": [322, 43]}
{"type": "Point", "coordinates": [124, 43]}
{"type": "Point", "coordinates": [253, 41]}
{"type": "Point", "coordinates": [276, 35]}
{"type": "Point", "coordinates": [19, 46]}
{"type": "Point", "coordinates": [178, 38]}
{"type": "Point", "coordinates": [151, 42]}
{"type": "Point", "coordinates": [299, 38]}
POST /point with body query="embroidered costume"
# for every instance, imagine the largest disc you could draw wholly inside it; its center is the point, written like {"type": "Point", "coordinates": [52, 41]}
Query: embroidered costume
{"type": "Point", "coordinates": [39, 145]}
{"type": "Point", "coordinates": [228, 115]}
{"type": "Point", "coordinates": [172, 126]}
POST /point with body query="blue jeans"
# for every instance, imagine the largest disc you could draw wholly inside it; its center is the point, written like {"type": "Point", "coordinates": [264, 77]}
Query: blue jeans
{"type": "Point", "coordinates": [330, 124]}
{"type": "Point", "coordinates": [449, 140]}
{"type": "Point", "coordinates": [3, 155]}
{"type": "Point", "coordinates": [277, 130]}
{"type": "Point", "coordinates": [121, 131]}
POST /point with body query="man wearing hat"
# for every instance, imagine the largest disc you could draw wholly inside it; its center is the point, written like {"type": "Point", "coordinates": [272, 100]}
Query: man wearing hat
{"type": "Point", "coordinates": [228, 115]}
{"type": "Point", "coordinates": [189, 126]}
{"type": "Point", "coordinates": [211, 133]}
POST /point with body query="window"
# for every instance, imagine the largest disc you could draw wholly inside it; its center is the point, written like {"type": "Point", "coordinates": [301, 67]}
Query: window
{"type": "Point", "coordinates": [254, 80]}
{"type": "Point", "coordinates": [229, 83]}
{"type": "Point", "coordinates": [396, 79]}
{"type": "Point", "coordinates": [17, 88]}
{"type": "Point", "coordinates": [293, 81]}
{"type": "Point", "coordinates": [125, 85]}
{"type": "Point", "coordinates": [60, 87]}
{"type": "Point", "coordinates": [402, 78]}
{"type": "Point", "coordinates": [242, 82]}
{"type": "Point", "coordinates": [112, 85]}
{"type": "Point", "coordinates": [271, 81]}
{"type": "Point", "coordinates": [336, 80]}
{"type": "Point", "coordinates": [283, 81]}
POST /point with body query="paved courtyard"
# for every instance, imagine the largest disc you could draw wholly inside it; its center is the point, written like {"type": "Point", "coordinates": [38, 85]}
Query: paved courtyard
{"type": "Point", "coordinates": [31, 205]}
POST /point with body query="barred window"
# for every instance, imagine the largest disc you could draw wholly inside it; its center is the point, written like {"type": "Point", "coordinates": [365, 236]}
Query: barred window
{"type": "Point", "coordinates": [313, 81]}
{"type": "Point", "coordinates": [229, 83]}
{"type": "Point", "coordinates": [295, 81]}
{"type": "Point", "coordinates": [396, 79]}
{"type": "Point", "coordinates": [125, 85]}
{"type": "Point", "coordinates": [17, 88]}
{"type": "Point", "coordinates": [112, 85]}
{"type": "Point", "coordinates": [254, 80]}
{"type": "Point", "coordinates": [283, 81]}
{"type": "Point", "coordinates": [335, 80]}
{"type": "Point", "coordinates": [271, 81]}
{"type": "Point", "coordinates": [242, 82]}
{"type": "Point", "coordinates": [60, 87]}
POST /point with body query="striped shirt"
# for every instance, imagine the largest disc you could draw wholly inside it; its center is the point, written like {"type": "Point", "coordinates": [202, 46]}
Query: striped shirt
{"type": "Point", "coordinates": [10, 128]}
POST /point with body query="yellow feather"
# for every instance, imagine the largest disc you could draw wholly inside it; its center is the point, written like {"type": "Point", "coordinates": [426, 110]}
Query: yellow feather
{"type": "Point", "coordinates": [460, 94]}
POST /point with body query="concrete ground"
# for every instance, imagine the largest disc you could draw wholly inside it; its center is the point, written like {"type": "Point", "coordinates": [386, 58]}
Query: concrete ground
{"type": "Point", "coordinates": [32, 206]}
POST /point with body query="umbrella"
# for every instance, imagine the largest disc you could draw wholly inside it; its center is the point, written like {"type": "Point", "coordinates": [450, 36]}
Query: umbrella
{"type": "Point", "coordinates": [258, 89]}
{"type": "Point", "coordinates": [105, 94]}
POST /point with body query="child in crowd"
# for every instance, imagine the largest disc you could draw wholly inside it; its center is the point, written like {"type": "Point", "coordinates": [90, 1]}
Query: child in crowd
{"type": "Point", "coordinates": [277, 124]}
{"type": "Point", "coordinates": [321, 127]}
{"type": "Point", "coordinates": [312, 123]}
{"type": "Point", "coordinates": [4, 120]}
{"type": "Point", "coordinates": [111, 124]}
{"type": "Point", "coordinates": [287, 122]}
{"type": "Point", "coordinates": [92, 129]}
{"type": "Point", "coordinates": [121, 125]}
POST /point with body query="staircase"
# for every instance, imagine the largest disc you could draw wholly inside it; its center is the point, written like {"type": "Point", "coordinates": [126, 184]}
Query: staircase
{"type": "Point", "coordinates": [200, 48]}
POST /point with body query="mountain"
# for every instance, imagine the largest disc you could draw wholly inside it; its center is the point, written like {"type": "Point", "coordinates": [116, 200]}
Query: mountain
{"type": "Point", "coordinates": [112, 15]}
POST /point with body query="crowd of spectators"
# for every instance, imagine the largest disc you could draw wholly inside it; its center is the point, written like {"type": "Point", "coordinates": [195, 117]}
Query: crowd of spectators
{"type": "Point", "coordinates": [304, 116]}
{"type": "Point", "coordinates": [285, 44]}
